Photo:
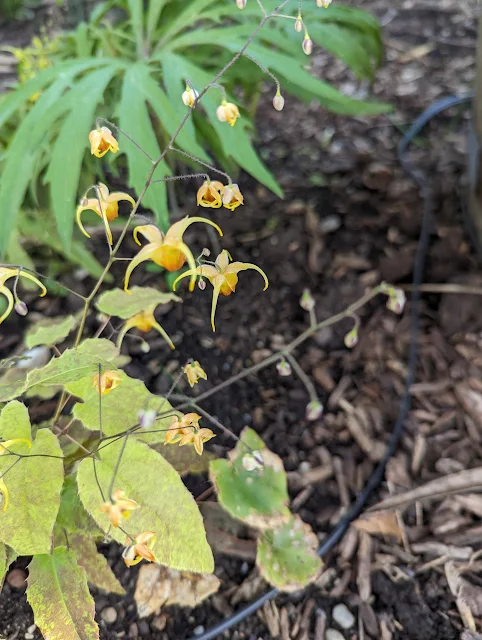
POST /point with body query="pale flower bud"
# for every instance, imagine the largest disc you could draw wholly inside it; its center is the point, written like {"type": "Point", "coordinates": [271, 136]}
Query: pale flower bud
{"type": "Point", "coordinates": [314, 410]}
{"type": "Point", "coordinates": [146, 418]}
{"type": "Point", "coordinates": [190, 96]}
{"type": "Point", "coordinates": [145, 348]}
{"type": "Point", "coordinates": [307, 301]}
{"type": "Point", "coordinates": [307, 45]}
{"type": "Point", "coordinates": [323, 3]}
{"type": "Point", "coordinates": [206, 252]}
{"type": "Point", "coordinates": [396, 300]}
{"type": "Point", "coordinates": [351, 338]}
{"type": "Point", "coordinates": [201, 284]}
{"type": "Point", "coordinates": [283, 368]}
{"type": "Point", "coordinates": [299, 24]}
{"type": "Point", "coordinates": [241, 4]}
{"type": "Point", "coordinates": [21, 308]}
{"type": "Point", "coordinates": [278, 102]}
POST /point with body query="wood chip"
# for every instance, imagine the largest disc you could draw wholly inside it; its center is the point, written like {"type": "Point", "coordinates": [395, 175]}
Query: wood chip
{"type": "Point", "coordinates": [380, 523]}
{"type": "Point", "coordinates": [363, 578]}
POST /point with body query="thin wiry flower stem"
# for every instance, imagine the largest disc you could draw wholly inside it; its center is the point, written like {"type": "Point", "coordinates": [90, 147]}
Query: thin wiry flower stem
{"type": "Point", "coordinates": [201, 162]}
{"type": "Point", "coordinates": [117, 466]}
{"type": "Point", "coordinates": [264, 70]}
{"type": "Point", "coordinates": [43, 277]}
{"type": "Point", "coordinates": [186, 176]}
{"type": "Point", "coordinates": [309, 386]}
{"type": "Point", "coordinates": [263, 10]}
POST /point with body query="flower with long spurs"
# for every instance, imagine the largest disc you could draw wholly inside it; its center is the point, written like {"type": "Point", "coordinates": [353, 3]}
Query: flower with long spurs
{"type": "Point", "coordinates": [169, 250]}
{"type": "Point", "coordinates": [210, 194]}
{"type": "Point", "coordinates": [227, 112]}
{"type": "Point", "coordinates": [119, 507]}
{"type": "Point", "coordinates": [5, 448]}
{"type": "Point", "coordinates": [187, 431]}
{"type": "Point", "coordinates": [5, 274]}
{"type": "Point", "coordinates": [223, 275]}
{"type": "Point", "coordinates": [140, 548]}
{"type": "Point", "coordinates": [101, 141]}
{"type": "Point", "coordinates": [106, 382]}
{"type": "Point", "coordinates": [194, 372]}
{"type": "Point", "coordinates": [144, 321]}
{"type": "Point", "coordinates": [232, 197]}
{"type": "Point", "coordinates": [105, 205]}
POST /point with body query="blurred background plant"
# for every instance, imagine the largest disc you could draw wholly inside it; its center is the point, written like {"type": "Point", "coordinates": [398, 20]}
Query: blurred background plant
{"type": "Point", "coordinates": [129, 63]}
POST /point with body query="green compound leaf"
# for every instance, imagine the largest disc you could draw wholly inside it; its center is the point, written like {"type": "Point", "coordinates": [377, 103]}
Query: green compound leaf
{"type": "Point", "coordinates": [287, 556]}
{"type": "Point", "coordinates": [166, 506]}
{"type": "Point", "coordinates": [49, 331]}
{"type": "Point", "coordinates": [120, 408]}
{"type": "Point", "coordinates": [117, 302]}
{"type": "Point", "coordinates": [69, 367]}
{"type": "Point", "coordinates": [72, 516]}
{"type": "Point", "coordinates": [95, 565]}
{"type": "Point", "coordinates": [15, 422]}
{"type": "Point", "coordinates": [258, 497]}
{"type": "Point", "coordinates": [34, 485]}
{"type": "Point", "coordinates": [59, 596]}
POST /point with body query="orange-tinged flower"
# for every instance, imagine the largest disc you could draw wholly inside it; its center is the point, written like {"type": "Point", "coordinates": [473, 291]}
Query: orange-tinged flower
{"type": "Point", "coordinates": [144, 321]}
{"type": "Point", "coordinates": [223, 275]}
{"type": "Point", "coordinates": [168, 251]}
{"type": "Point", "coordinates": [175, 432]}
{"type": "Point", "coordinates": [194, 372]}
{"type": "Point", "coordinates": [101, 141]}
{"type": "Point", "coordinates": [232, 197]}
{"type": "Point", "coordinates": [210, 194]}
{"type": "Point", "coordinates": [5, 448]}
{"type": "Point", "coordinates": [227, 112]}
{"type": "Point", "coordinates": [119, 507]}
{"type": "Point", "coordinates": [5, 274]}
{"type": "Point", "coordinates": [141, 548]}
{"type": "Point", "coordinates": [197, 438]}
{"type": "Point", "coordinates": [105, 205]}
{"type": "Point", "coordinates": [106, 382]}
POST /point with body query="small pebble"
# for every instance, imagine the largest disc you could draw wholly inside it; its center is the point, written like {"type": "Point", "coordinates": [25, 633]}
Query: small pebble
{"type": "Point", "coordinates": [109, 615]}
{"type": "Point", "coordinates": [333, 634]}
{"type": "Point", "coordinates": [304, 466]}
{"type": "Point", "coordinates": [17, 578]}
{"type": "Point", "coordinates": [133, 631]}
{"type": "Point", "coordinates": [199, 630]}
{"type": "Point", "coordinates": [343, 616]}
{"type": "Point", "coordinates": [159, 622]}
{"type": "Point", "coordinates": [29, 636]}
{"type": "Point", "coordinates": [144, 629]}
{"type": "Point", "coordinates": [32, 628]}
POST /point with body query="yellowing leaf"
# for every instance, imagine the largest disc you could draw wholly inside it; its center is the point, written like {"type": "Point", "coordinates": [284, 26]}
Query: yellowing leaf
{"type": "Point", "coordinates": [72, 517]}
{"type": "Point", "coordinates": [117, 302]}
{"type": "Point", "coordinates": [102, 348]}
{"type": "Point", "coordinates": [58, 594]}
{"type": "Point", "coordinates": [34, 486]}
{"type": "Point", "coordinates": [69, 367]}
{"type": "Point", "coordinates": [15, 422]}
{"type": "Point", "coordinates": [166, 506]}
{"type": "Point", "coordinates": [95, 565]}
{"type": "Point", "coordinates": [49, 331]}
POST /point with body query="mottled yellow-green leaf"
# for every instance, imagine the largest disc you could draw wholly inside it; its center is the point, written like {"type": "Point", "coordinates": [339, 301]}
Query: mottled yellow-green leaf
{"type": "Point", "coordinates": [287, 556]}
{"type": "Point", "coordinates": [185, 460]}
{"type": "Point", "coordinates": [120, 407]}
{"type": "Point", "coordinates": [49, 331]}
{"type": "Point", "coordinates": [7, 556]}
{"type": "Point", "coordinates": [95, 565]}
{"type": "Point", "coordinates": [102, 348]}
{"type": "Point", "coordinates": [57, 591]}
{"type": "Point", "coordinates": [166, 506]}
{"type": "Point", "coordinates": [117, 302]}
{"type": "Point", "coordinates": [12, 384]}
{"type": "Point", "coordinates": [15, 422]}
{"type": "Point", "coordinates": [69, 367]}
{"type": "Point", "coordinates": [34, 485]}
{"type": "Point", "coordinates": [72, 517]}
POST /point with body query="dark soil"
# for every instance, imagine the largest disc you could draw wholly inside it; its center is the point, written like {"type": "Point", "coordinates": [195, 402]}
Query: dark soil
{"type": "Point", "coordinates": [350, 218]}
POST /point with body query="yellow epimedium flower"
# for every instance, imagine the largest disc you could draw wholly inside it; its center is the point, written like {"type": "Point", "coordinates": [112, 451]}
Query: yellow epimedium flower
{"type": "Point", "coordinates": [140, 549]}
{"type": "Point", "coordinates": [210, 194]}
{"type": "Point", "coordinates": [232, 197]}
{"type": "Point", "coordinates": [5, 448]}
{"type": "Point", "coordinates": [144, 321]}
{"type": "Point", "coordinates": [101, 141]}
{"type": "Point", "coordinates": [169, 250]}
{"type": "Point", "coordinates": [194, 372]}
{"type": "Point", "coordinates": [227, 112]}
{"type": "Point", "coordinates": [223, 275]}
{"type": "Point", "coordinates": [106, 382]}
{"type": "Point", "coordinates": [105, 205]}
{"type": "Point", "coordinates": [119, 507]}
{"type": "Point", "coordinates": [187, 431]}
{"type": "Point", "coordinates": [5, 274]}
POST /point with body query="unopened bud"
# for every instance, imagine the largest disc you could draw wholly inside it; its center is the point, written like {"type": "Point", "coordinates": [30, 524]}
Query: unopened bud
{"type": "Point", "coordinates": [314, 410]}
{"type": "Point", "coordinates": [206, 252]}
{"type": "Point", "coordinates": [307, 301]}
{"type": "Point", "coordinates": [21, 308]}
{"type": "Point", "coordinates": [307, 45]}
{"type": "Point", "coordinates": [146, 418]}
{"type": "Point", "coordinates": [145, 348]}
{"type": "Point", "coordinates": [283, 368]}
{"type": "Point", "coordinates": [241, 4]}
{"type": "Point", "coordinates": [190, 96]}
{"type": "Point", "coordinates": [351, 338]}
{"type": "Point", "coordinates": [299, 24]}
{"type": "Point", "coordinates": [201, 284]}
{"type": "Point", "coordinates": [278, 102]}
{"type": "Point", "coordinates": [323, 3]}
{"type": "Point", "coordinates": [252, 461]}
{"type": "Point", "coordinates": [396, 300]}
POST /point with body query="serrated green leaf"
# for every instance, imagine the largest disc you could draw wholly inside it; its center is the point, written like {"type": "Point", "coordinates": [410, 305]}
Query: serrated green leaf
{"type": "Point", "coordinates": [15, 421]}
{"type": "Point", "coordinates": [99, 348]}
{"type": "Point", "coordinates": [72, 516]}
{"type": "Point", "coordinates": [59, 596]}
{"type": "Point", "coordinates": [152, 18]}
{"type": "Point", "coordinates": [95, 565]}
{"type": "Point", "coordinates": [287, 556]}
{"type": "Point", "coordinates": [166, 506]}
{"type": "Point", "coordinates": [117, 302]}
{"type": "Point", "coordinates": [69, 367]}
{"type": "Point", "coordinates": [12, 384]}
{"type": "Point", "coordinates": [34, 486]}
{"type": "Point", "coordinates": [49, 331]}
{"type": "Point", "coordinates": [81, 101]}
{"type": "Point", "coordinates": [187, 17]}
{"type": "Point", "coordinates": [136, 12]}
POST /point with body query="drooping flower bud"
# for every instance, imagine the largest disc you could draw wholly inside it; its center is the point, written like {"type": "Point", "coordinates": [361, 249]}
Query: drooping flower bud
{"type": "Point", "coordinates": [351, 338]}
{"type": "Point", "coordinates": [314, 410]}
{"type": "Point", "coordinates": [201, 284]}
{"type": "Point", "coordinates": [396, 300]}
{"type": "Point", "coordinates": [307, 44]}
{"type": "Point", "coordinates": [241, 4]}
{"type": "Point", "coordinates": [146, 418]}
{"type": "Point", "coordinates": [278, 101]}
{"type": "Point", "coordinates": [21, 308]}
{"type": "Point", "coordinates": [206, 252]}
{"type": "Point", "coordinates": [190, 96]}
{"type": "Point", "coordinates": [307, 301]}
{"type": "Point", "coordinates": [299, 24]}
{"type": "Point", "coordinates": [283, 368]}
